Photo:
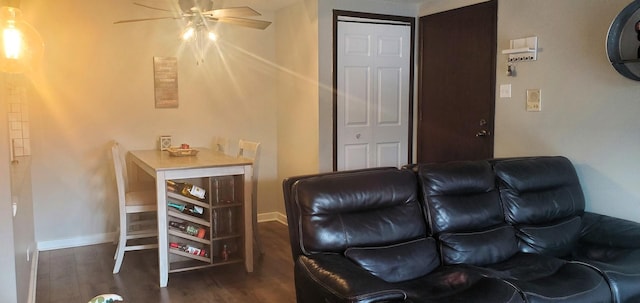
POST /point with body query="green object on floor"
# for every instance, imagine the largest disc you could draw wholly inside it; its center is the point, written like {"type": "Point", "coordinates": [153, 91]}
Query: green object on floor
{"type": "Point", "coordinates": [106, 298]}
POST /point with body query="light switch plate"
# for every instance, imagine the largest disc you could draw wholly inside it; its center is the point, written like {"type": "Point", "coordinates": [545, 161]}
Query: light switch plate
{"type": "Point", "coordinates": [534, 101]}
{"type": "Point", "coordinates": [505, 90]}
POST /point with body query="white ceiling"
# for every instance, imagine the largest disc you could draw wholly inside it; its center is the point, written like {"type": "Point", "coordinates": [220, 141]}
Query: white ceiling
{"type": "Point", "coordinates": [277, 4]}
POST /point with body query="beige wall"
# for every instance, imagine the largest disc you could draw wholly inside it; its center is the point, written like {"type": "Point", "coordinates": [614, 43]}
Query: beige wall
{"type": "Point", "coordinates": [96, 85]}
{"type": "Point", "coordinates": [589, 112]}
{"type": "Point", "coordinates": [297, 54]}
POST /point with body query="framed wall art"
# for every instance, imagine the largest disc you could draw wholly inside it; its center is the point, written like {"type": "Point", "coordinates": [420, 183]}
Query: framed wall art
{"type": "Point", "coordinates": [165, 81]}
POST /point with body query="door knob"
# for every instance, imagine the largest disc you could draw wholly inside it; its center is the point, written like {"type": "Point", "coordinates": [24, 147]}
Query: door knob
{"type": "Point", "coordinates": [482, 133]}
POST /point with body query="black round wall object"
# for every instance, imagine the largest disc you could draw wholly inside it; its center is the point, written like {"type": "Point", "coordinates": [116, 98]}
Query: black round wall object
{"type": "Point", "coordinates": [623, 41]}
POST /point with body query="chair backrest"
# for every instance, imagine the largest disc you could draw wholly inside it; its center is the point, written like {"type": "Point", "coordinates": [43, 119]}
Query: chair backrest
{"type": "Point", "coordinates": [120, 170]}
{"type": "Point", "coordinates": [250, 150]}
{"type": "Point", "coordinates": [221, 144]}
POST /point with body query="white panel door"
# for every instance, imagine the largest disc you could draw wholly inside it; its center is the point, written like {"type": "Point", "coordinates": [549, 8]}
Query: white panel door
{"type": "Point", "coordinates": [372, 94]}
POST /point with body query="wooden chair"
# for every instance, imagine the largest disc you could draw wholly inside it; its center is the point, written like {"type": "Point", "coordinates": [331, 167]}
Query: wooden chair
{"type": "Point", "coordinates": [221, 144]}
{"type": "Point", "coordinates": [133, 202]}
{"type": "Point", "coordinates": [251, 150]}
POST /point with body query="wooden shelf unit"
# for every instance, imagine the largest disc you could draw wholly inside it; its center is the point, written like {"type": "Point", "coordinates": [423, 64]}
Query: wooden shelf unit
{"type": "Point", "coordinates": [222, 219]}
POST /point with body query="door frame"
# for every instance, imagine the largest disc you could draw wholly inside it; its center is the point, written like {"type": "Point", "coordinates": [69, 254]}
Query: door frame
{"type": "Point", "coordinates": [389, 18]}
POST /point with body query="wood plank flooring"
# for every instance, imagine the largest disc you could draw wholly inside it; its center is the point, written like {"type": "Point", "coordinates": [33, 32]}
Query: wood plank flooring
{"type": "Point", "coordinates": [75, 275]}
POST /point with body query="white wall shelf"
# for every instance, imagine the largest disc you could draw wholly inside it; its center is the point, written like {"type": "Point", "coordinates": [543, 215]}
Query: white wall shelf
{"type": "Point", "coordinates": [524, 49]}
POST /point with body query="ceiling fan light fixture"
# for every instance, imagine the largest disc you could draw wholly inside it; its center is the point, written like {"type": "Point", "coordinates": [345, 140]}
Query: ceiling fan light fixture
{"type": "Point", "coordinates": [212, 36]}
{"type": "Point", "coordinates": [188, 33]}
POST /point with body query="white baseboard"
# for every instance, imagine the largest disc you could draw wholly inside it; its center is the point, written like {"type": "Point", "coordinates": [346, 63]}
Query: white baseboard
{"type": "Point", "coordinates": [76, 242]}
{"type": "Point", "coordinates": [273, 216]}
{"type": "Point", "coordinates": [33, 278]}
{"type": "Point", "coordinates": [109, 237]}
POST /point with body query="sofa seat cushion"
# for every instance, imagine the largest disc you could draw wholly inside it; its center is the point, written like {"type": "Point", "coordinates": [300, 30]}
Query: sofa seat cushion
{"type": "Point", "coordinates": [544, 278]}
{"type": "Point", "coordinates": [398, 262]}
{"type": "Point", "coordinates": [620, 266]}
{"type": "Point", "coordinates": [459, 283]}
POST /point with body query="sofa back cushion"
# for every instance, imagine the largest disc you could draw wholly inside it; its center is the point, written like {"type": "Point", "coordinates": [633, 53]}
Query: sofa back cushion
{"type": "Point", "coordinates": [367, 208]}
{"type": "Point", "coordinates": [464, 212]}
{"type": "Point", "coordinates": [543, 200]}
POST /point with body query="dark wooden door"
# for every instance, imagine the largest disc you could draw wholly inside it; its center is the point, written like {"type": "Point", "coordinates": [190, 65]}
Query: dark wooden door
{"type": "Point", "coordinates": [456, 98]}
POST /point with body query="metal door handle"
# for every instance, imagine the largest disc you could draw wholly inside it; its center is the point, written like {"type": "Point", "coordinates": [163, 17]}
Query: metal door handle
{"type": "Point", "coordinates": [482, 133]}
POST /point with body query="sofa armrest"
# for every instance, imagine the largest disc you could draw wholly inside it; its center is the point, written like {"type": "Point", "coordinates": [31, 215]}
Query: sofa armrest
{"type": "Point", "coordinates": [334, 278]}
{"type": "Point", "coordinates": [609, 231]}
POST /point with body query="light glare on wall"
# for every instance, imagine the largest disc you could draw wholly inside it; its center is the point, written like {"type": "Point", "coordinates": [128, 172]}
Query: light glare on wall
{"type": "Point", "coordinates": [12, 42]}
{"type": "Point", "coordinates": [22, 47]}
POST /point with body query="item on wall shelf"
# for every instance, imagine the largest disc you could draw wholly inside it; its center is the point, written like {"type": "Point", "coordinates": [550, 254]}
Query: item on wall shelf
{"type": "Point", "coordinates": [623, 42]}
{"type": "Point", "coordinates": [511, 69]}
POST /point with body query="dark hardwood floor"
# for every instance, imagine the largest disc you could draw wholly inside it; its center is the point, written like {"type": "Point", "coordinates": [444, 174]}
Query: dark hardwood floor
{"type": "Point", "coordinates": [75, 275]}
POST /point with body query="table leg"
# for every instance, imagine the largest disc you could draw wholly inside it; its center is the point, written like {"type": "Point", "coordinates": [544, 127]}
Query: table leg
{"type": "Point", "coordinates": [248, 218]}
{"type": "Point", "coordinates": [163, 258]}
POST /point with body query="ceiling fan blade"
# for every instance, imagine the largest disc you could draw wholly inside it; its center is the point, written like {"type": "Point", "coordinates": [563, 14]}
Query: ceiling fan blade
{"type": "Point", "coordinates": [144, 19]}
{"type": "Point", "coordinates": [151, 7]}
{"type": "Point", "coordinates": [257, 24]}
{"type": "Point", "coordinates": [242, 11]}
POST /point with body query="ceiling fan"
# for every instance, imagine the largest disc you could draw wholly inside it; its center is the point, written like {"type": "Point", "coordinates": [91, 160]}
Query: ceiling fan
{"type": "Point", "coordinates": [197, 12]}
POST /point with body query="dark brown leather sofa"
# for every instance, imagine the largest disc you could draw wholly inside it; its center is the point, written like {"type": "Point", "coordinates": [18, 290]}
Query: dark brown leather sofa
{"type": "Point", "coordinates": [503, 230]}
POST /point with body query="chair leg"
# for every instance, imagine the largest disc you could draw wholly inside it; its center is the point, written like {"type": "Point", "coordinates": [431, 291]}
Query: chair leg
{"type": "Point", "coordinates": [115, 255]}
{"type": "Point", "coordinates": [119, 256]}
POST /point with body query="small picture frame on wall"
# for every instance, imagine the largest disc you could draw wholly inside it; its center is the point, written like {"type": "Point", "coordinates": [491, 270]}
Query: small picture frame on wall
{"type": "Point", "coordinates": [165, 142]}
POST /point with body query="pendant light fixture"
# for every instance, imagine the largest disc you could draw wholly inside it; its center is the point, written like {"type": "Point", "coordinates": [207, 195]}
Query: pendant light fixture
{"type": "Point", "coordinates": [21, 47]}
